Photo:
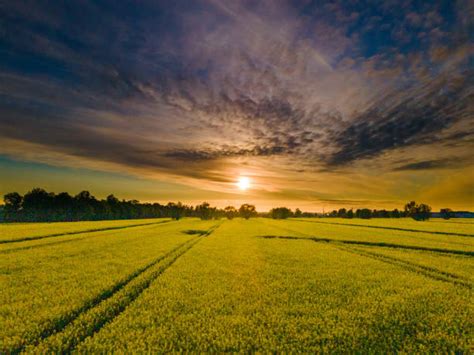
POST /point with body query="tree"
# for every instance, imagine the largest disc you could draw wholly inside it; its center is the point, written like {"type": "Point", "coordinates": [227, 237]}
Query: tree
{"type": "Point", "coordinates": [280, 213]}
{"type": "Point", "coordinates": [381, 214]}
{"type": "Point", "coordinates": [112, 207]}
{"type": "Point", "coordinates": [12, 207]}
{"type": "Point", "coordinates": [421, 212]}
{"type": "Point", "coordinates": [38, 205]}
{"type": "Point", "coordinates": [364, 213]}
{"type": "Point", "coordinates": [395, 213]}
{"type": "Point", "coordinates": [298, 213]}
{"type": "Point", "coordinates": [350, 214]}
{"type": "Point", "coordinates": [204, 211]}
{"type": "Point", "coordinates": [409, 207]}
{"type": "Point", "coordinates": [84, 202]}
{"type": "Point", "coordinates": [341, 213]}
{"type": "Point", "coordinates": [63, 203]}
{"type": "Point", "coordinates": [246, 211]}
{"type": "Point", "coordinates": [176, 210]}
{"type": "Point", "coordinates": [446, 213]}
{"type": "Point", "coordinates": [111, 199]}
{"type": "Point", "coordinates": [230, 212]}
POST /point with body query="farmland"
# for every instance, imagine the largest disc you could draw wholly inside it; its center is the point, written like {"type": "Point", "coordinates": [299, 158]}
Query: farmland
{"type": "Point", "coordinates": [310, 285]}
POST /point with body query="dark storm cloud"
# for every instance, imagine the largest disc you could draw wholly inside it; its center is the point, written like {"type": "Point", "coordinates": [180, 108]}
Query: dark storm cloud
{"type": "Point", "coordinates": [153, 84]}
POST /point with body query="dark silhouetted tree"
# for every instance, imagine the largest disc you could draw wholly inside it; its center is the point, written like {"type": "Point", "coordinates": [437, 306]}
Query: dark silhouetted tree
{"type": "Point", "coordinates": [38, 205]}
{"type": "Point", "coordinates": [230, 212]}
{"type": "Point", "coordinates": [395, 213]}
{"type": "Point", "coordinates": [421, 212]}
{"type": "Point", "coordinates": [204, 211]}
{"type": "Point", "coordinates": [12, 207]}
{"type": "Point", "coordinates": [176, 210]}
{"type": "Point", "coordinates": [280, 213]}
{"type": "Point", "coordinates": [64, 207]}
{"type": "Point", "coordinates": [246, 211]}
{"type": "Point", "coordinates": [364, 213]}
{"type": "Point", "coordinates": [446, 213]}
{"type": "Point", "coordinates": [298, 213]}
{"type": "Point", "coordinates": [85, 203]}
{"type": "Point", "coordinates": [409, 207]}
{"type": "Point", "coordinates": [341, 213]}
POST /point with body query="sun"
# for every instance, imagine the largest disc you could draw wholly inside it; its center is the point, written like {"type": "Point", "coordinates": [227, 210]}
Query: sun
{"type": "Point", "coordinates": [243, 183]}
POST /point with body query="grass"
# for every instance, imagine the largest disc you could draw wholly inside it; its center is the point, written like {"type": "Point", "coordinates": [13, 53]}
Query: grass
{"type": "Point", "coordinates": [218, 286]}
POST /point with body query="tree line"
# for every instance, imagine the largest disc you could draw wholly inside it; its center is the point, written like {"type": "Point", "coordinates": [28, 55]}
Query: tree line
{"type": "Point", "coordinates": [38, 205]}
{"type": "Point", "coordinates": [419, 212]}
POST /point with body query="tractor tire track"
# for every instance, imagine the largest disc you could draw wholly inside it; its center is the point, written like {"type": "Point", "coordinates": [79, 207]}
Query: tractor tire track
{"type": "Point", "coordinates": [376, 244]}
{"type": "Point", "coordinates": [364, 243]}
{"type": "Point", "coordinates": [25, 239]}
{"type": "Point", "coordinates": [414, 236]}
{"type": "Point", "coordinates": [91, 320]}
{"type": "Point", "coordinates": [59, 324]}
{"type": "Point", "coordinates": [52, 243]}
{"type": "Point", "coordinates": [390, 228]}
{"type": "Point", "coordinates": [426, 271]}
{"type": "Point", "coordinates": [13, 250]}
{"type": "Point", "coordinates": [348, 246]}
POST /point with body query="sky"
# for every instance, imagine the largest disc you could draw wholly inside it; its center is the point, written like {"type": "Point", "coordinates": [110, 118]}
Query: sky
{"type": "Point", "coordinates": [321, 104]}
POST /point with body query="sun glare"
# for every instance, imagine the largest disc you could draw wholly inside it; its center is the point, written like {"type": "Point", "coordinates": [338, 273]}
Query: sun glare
{"type": "Point", "coordinates": [243, 183]}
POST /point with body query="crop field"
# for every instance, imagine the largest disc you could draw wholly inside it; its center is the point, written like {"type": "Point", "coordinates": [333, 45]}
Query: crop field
{"type": "Point", "coordinates": [308, 285]}
{"type": "Point", "coordinates": [32, 231]}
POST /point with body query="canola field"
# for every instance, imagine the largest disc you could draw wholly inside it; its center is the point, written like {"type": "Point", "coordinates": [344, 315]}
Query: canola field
{"type": "Point", "coordinates": [307, 285]}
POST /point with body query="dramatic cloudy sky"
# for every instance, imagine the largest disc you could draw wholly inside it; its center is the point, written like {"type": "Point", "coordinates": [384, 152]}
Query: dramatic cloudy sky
{"type": "Point", "coordinates": [321, 103]}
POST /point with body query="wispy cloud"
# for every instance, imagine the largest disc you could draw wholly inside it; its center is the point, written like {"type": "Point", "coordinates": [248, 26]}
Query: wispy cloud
{"type": "Point", "coordinates": [431, 164]}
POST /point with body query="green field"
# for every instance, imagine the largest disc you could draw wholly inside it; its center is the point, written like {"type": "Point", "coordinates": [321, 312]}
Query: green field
{"type": "Point", "coordinates": [309, 285]}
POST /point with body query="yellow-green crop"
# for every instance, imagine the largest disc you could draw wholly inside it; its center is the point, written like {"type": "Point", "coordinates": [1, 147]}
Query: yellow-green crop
{"type": "Point", "coordinates": [15, 232]}
{"type": "Point", "coordinates": [46, 285]}
{"type": "Point", "coordinates": [240, 285]}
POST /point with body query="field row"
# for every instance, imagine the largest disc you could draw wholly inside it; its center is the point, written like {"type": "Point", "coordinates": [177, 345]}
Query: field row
{"type": "Point", "coordinates": [58, 281]}
{"type": "Point", "coordinates": [16, 232]}
{"type": "Point", "coordinates": [377, 237]}
{"type": "Point", "coordinates": [463, 227]}
{"type": "Point", "coordinates": [238, 292]}
{"type": "Point", "coordinates": [19, 232]}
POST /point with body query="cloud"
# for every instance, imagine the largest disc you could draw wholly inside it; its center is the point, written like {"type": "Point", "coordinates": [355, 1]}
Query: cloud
{"type": "Point", "coordinates": [199, 155]}
{"type": "Point", "coordinates": [406, 118]}
{"type": "Point", "coordinates": [431, 164]}
{"type": "Point", "coordinates": [301, 86]}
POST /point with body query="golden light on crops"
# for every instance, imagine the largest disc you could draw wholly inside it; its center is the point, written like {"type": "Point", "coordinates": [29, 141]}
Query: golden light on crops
{"type": "Point", "coordinates": [243, 183]}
